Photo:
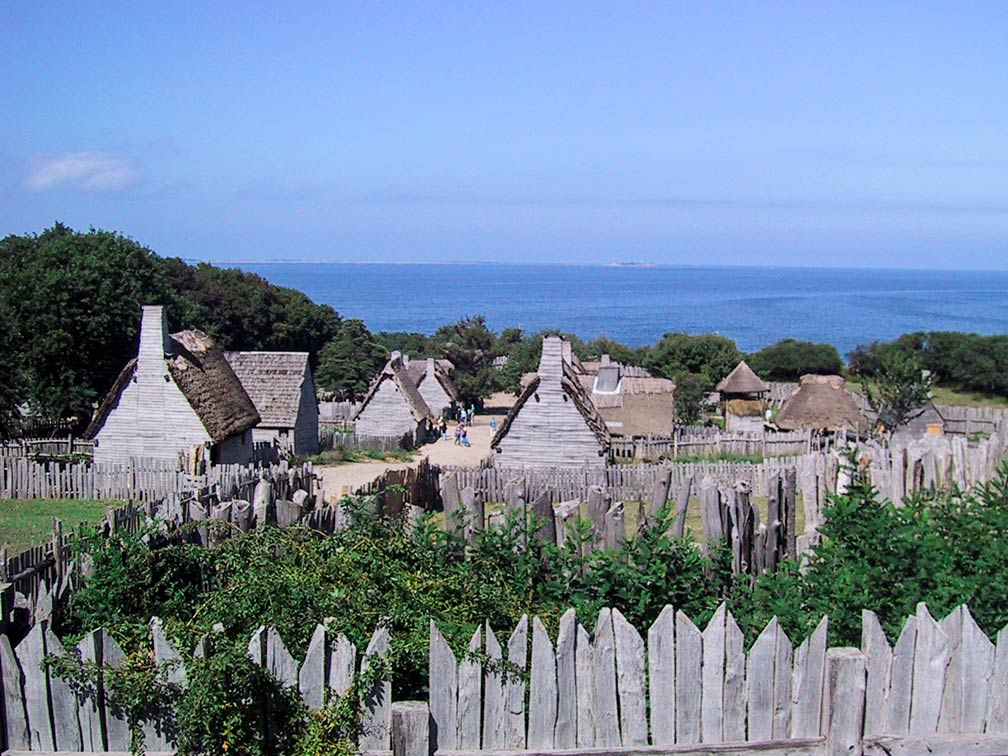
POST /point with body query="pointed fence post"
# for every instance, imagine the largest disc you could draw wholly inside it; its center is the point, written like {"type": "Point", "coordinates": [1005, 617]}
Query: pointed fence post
{"type": "Point", "coordinates": [845, 693]}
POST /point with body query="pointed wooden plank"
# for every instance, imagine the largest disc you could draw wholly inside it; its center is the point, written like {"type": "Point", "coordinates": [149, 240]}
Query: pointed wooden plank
{"type": "Point", "coordinates": [493, 697]}
{"type": "Point", "coordinates": [470, 685]}
{"type": "Point", "coordinates": [878, 661]}
{"type": "Point", "coordinates": [66, 726]}
{"type": "Point", "coordinates": [931, 659]}
{"type": "Point", "coordinates": [630, 681]}
{"type": "Point", "coordinates": [30, 652]}
{"type": "Point", "coordinates": [807, 683]}
{"type": "Point", "coordinates": [901, 678]}
{"type": "Point", "coordinates": [312, 677]}
{"type": "Point", "coordinates": [661, 677]}
{"type": "Point", "coordinates": [16, 719]}
{"type": "Point", "coordinates": [689, 681]}
{"type": "Point", "coordinates": [977, 670]}
{"type": "Point", "coordinates": [542, 690]}
{"type": "Point", "coordinates": [845, 695]}
{"type": "Point", "coordinates": [165, 655]}
{"type": "Point", "coordinates": [565, 733]}
{"type": "Point", "coordinates": [342, 663]}
{"type": "Point", "coordinates": [950, 716]}
{"type": "Point", "coordinates": [117, 729]}
{"type": "Point", "coordinates": [257, 647]}
{"type": "Point", "coordinates": [279, 661]}
{"type": "Point", "coordinates": [584, 673]}
{"type": "Point", "coordinates": [377, 702]}
{"type": "Point", "coordinates": [733, 728]}
{"type": "Point", "coordinates": [607, 732]}
{"type": "Point", "coordinates": [997, 700]}
{"type": "Point", "coordinates": [88, 710]}
{"type": "Point", "coordinates": [712, 677]}
{"type": "Point", "coordinates": [514, 686]}
{"type": "Point", "coordinates": [782, 686]}
{"type": "Point", "coordinates": [443, 688]}
{"type": "Point", "coordinates": [760, 682]}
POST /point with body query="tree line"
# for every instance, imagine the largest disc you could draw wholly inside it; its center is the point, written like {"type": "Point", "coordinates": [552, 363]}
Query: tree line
{"type": "Point", "coordinates": [70, 305]}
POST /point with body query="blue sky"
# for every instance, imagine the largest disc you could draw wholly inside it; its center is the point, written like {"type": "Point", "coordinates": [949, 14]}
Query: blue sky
{"type": "Point", "coordinates": [845, 134]}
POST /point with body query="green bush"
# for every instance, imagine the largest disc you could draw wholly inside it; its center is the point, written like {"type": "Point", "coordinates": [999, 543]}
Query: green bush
{"type": "Point", "coordinates": [790, 359]}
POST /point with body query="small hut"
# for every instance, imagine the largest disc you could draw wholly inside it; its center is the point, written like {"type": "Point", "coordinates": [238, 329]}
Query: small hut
{"type": "Point", "coordinates": [633, 403]}
{"type": "Point", "coordinates": [929, 422]}
{"type": "Point", "coordinates": [743, 399]}
{"type": "Point", "coordinates": [281, 387]}
{"type": "Point", "coordinates": [821, 403]}
{"type": "Point", "coordinates": [393, 407]}
{"type": "Point", "coordinates": [178, 396]}
{"type": "Point", "coordinates": [432, 379]}
{"type": "Point", "coordinates": [554, 422]}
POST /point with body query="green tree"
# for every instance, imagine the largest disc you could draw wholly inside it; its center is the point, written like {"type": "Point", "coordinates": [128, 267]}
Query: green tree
{"type": "Point", "coordinates": [689, 398]}
{"type": "Point", "coordinates": [790, 359]}
{"type": "Point", "coordinates": [709, 356]}
{"type": "Point", "coordinates": [621, 353]}
{"type": "Point", "coordinates": [899, 390]}
{"type": "Point", "coordinates": [413, 344]}
{"type": "Point", "coordinates": [349, 362]}
{"type": "Point", "coordinates": [469, 344]}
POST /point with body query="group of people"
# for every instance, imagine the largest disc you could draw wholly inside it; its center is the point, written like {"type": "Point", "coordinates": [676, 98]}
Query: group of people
{"type": "Point", "coordinates": [464, 420]}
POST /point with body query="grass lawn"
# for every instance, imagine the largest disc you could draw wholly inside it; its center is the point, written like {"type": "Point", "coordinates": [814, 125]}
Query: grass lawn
{"type": "Point", "coordinates": [28, 522]}
{"type": "Point", "coordinates": [943, 395]}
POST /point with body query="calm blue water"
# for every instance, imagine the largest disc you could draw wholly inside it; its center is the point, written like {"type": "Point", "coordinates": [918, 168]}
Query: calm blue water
{"type": "Point", "coordinates": [636, 305]}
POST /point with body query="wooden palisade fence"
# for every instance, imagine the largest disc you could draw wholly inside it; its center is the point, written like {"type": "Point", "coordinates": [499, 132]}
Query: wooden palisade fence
{"type": "Point", "coordinates": [674, 688]}
{"type": "Point", "coordinates": [42, 712]}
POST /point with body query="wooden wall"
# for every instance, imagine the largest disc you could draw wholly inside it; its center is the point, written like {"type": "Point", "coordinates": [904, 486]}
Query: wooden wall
{"type": "Point", "coordinates": [306, 430]}
{"type": "Point", "coordinates": [387, 414]}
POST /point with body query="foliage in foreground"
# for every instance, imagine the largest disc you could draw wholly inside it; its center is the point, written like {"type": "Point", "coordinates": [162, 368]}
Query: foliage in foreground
{"type": "Point", "coordinates": [943, 549]}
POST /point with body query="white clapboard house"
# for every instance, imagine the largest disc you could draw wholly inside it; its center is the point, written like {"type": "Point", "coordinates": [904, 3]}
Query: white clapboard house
{"type": "Point", "coordinates": [178, 396]}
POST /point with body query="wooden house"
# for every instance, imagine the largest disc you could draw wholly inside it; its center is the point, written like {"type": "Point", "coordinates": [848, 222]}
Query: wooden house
{"type": "Point", "coordinates": [554, 422]}
{"type": "Point", "coordinates": [393, 407]}
{"type": "Point", "coordinates": [743, 399]}
{"type": "Point", "coordinates": [633, 403]}
{"type": "Point", "coordinates": [280, 386]}
{"type": "Point", "coordinates": [431, 378]}
{"type": "Point", "coordinates": [821, 403]}
{"type": "Point", "coordinates": [179, 395]}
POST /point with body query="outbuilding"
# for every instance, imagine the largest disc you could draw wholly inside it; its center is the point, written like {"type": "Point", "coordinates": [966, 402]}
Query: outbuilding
{"type": "Point", "coordinates": [743, 396]}
{"type": "Point", "coordinates": [393, 407]}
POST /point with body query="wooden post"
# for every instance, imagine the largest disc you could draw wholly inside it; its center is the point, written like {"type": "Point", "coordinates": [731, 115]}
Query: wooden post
{"type": "Point", "coordinates": [410, 729]}
{"type": "Point", "coordinates": [845, 694]}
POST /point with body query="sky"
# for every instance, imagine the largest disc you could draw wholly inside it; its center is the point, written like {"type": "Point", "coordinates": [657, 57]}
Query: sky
{"type": "Point", "coordinates": [759, 133]}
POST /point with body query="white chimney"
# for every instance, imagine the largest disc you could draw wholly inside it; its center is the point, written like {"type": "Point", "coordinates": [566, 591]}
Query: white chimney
{"type": "Point", "coordinates": [395, 357]}
{"type": "Point", "coordinates": [605, 359]}
{"type": "Point", "coordinates": [154, 341]}
{"type": "Point", "coordinates": [430, 367]}
{"type": "Point", "coordinates": [551, 362]}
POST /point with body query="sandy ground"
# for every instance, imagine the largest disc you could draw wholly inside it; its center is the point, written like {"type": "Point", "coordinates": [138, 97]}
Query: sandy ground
{"type": "Point", "coordinates": [337, 478]}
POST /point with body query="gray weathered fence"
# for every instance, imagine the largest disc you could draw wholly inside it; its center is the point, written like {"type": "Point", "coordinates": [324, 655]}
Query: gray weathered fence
{"type": "Point", "coordinates": [33, 448]}
{"type": "Point", "coordinates": [43, 713]}
{"type": "Point", "coordinates": [699, 441]}
{"type": "Point", "coordinates": [673, 688]}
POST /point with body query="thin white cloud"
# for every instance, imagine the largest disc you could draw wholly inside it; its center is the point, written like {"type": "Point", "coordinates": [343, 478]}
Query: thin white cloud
{"type": "Point", "coordinates": [87, 171]}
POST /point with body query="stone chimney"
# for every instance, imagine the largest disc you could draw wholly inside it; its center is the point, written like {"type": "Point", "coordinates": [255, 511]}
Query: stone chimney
{"type": "Point", "coordinates": [154, 341]}
{"type": "Point", "coordinates": [551, 362]}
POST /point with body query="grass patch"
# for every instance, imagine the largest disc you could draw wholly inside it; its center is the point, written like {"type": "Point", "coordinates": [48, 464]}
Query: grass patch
{"type": "Point", "coordinates": [28, 522]}
{"type": "Point", "coordinates": [348, 456]}
{"type": "Point", "coordinates": [945, 395]}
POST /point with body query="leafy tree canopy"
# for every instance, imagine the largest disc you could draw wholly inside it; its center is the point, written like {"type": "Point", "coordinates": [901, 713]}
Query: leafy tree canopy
{"type": "Point", "coordinates": [349, 362]}
{"type": "Point", "coordinates": [790, 359]}
{"type": "Point", "coordinates": [898, 390]}
{"type": "Point", "coordinates": [469, 344]}
{"type": "Point", "coordinates": [708, 356]}
{"type": "Point", "coordinates": [413, 344]}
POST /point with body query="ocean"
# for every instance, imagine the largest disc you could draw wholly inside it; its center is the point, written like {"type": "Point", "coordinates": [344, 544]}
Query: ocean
{"type": "Point", "coordinates": [635, 305]}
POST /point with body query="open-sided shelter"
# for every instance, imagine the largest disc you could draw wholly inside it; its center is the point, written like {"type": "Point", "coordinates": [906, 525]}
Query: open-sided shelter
{"type": "Point", "coordinates": [179, 395]}
{"type": "Point", "coordinates": [743, 399]}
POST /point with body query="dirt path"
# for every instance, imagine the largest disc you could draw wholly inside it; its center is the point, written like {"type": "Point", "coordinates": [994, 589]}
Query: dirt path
{"type": "Point", "coordinates": [336, 478]}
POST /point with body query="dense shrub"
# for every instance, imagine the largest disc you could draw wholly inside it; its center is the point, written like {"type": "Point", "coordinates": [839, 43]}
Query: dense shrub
{"type": "Point", "coordinates": [790, 359]}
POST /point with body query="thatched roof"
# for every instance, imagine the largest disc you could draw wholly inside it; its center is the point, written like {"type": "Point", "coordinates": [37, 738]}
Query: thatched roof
{"type": "Point", "coordinates": [820, 403]}
{"type": "Point", "coordinates": [571, 385]}
{"type": "Point", "coordinates": [395, 371]}
{"type": "Point", "coordinates": [273, 381]}
{"type": "Point", "coordinates": [417, 371]}
{"type": "Point", "coordinates": [206, 380]}
{"type": "Point", "coordinates": [212, 389]}
{"type": "Point", "coordinates": [746, 407]}
{"type": "Point", "coordinates": [742, 380]}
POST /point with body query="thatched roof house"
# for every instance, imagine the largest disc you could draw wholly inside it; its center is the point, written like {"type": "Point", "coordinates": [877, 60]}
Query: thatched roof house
{"type": "Point", "coordinates": [820, 403]}
{"type": "Point", "coordinates": [281, 388]}
{"type": "Point", "coordinates": [743, 396]}
{"type": "Point", "coordinates": [554, 422]}
{"type": "Point", "coordinates": [393, 407]}
{"type": "Point", "coordinates": [632, 401]}
{"type": "Point", "coordinates": [432, 379]}
{"type": "Point", "coordinates": [177, 394]}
